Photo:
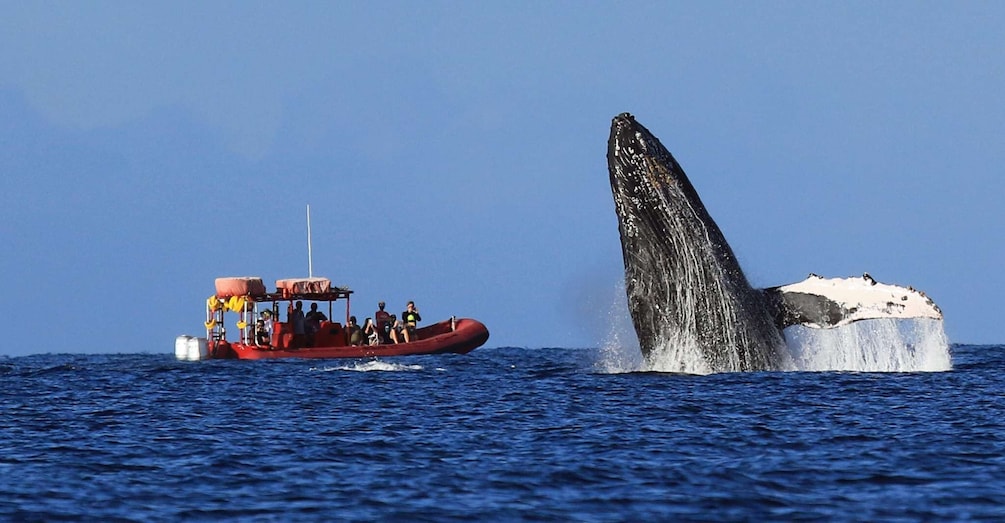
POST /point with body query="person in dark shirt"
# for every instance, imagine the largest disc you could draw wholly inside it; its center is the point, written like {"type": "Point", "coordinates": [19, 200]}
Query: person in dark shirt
{"type": "Point", "coordinates": [263, 329]}
{"type": "Point", "coordinates": [395, 328]}
{"type": "Point", "coordinates": [383, 320]}
{"type": "Point", "coordinates": [370, 330]}
{"type": "Point", "coordinates": [314, 319]}
{"type": "Point", "coordinates": [410, 318]}
{"type": "Point", "coordinates": [296, 317]}
{"type": "Point", "coordinates": [262, 337]}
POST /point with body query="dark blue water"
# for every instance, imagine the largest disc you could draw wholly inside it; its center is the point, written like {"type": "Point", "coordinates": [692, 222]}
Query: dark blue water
{"type": "Point", "coordinates": [499, 434]}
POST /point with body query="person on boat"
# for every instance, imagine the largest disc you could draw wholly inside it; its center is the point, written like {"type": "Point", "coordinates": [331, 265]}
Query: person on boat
{"type": "Point", "coordinates": [262, 337]}
{"type": "Point", "coordinates": [263, 334]}
{"type": "Point", "coordinates": [296, 319]}
{"type": "Point", "coordinates": [396, 327]}
{"type": "Point", "coordinates": [313, 319]}
{"type": "Point", "coordinates": [370, 330]}
{"type": "Point", "coordinates": [384, 324]}
{"type": "Point", "coordinates": [355, 332]}
{"type": "Point", "coordinates": [410, 318]}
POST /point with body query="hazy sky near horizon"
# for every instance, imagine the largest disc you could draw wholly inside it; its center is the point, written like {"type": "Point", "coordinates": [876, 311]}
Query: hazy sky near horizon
{"type": "Point", "coordinates": [454, 153]}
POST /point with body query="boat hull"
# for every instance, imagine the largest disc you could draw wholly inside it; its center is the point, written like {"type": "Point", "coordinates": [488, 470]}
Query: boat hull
{"type": "Point", "coordinates": [439, 338]}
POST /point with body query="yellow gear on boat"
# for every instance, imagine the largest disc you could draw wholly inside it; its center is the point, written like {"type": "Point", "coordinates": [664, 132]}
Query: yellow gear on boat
{"type": "Point", "coordinates": [236, 303]}
{"type": "Point", "coordinates": [210, 324]}
{"type": "Point", "coordinates": [241, 325]}
{"type": "Point", "coordinates": [213, 303]}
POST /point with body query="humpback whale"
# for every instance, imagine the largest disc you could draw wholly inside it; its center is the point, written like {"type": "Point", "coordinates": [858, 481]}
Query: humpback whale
{"type": "Point", "coordinates": [686, 290]}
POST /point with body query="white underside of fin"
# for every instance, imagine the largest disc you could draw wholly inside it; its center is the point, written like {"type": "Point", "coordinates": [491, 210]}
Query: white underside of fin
{"type": "Point", "coordinates": [864, 298]}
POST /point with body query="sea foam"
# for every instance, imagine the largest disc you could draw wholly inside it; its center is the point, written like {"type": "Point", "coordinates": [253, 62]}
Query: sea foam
{"type": "Point", "coordinates": [372, 366]}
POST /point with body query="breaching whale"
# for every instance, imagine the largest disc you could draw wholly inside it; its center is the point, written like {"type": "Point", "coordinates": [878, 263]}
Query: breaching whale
{"type": "Point", "coordinates": [685, 287]}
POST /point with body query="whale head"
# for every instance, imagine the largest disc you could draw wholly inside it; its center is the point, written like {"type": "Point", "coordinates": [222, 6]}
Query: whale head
{"type": "Point", "coordinates": [650, 188]}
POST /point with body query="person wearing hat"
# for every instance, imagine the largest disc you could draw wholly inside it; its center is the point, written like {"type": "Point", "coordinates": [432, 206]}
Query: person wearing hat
{"type": "Point", "coordinates": [383, 320]}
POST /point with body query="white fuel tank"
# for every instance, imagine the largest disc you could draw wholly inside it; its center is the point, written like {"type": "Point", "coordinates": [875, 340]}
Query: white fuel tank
{"type": "Point", "coordinates": [191, 348]}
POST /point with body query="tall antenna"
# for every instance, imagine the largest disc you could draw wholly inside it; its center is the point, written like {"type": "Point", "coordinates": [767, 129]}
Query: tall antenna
{"type": "Point", "coordinates": [310, 259]}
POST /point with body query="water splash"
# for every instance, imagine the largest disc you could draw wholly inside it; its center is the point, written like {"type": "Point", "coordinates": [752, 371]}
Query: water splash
{"type": "Point", "coordinates": [867, 346]}
{"type": "Point", "coordinates": [872, 346]}
{"type": "Point", "coordinates": [679, 354]}
{"type": "Point", "coordinates": [372, 366]}
{"type": "Point", "coordinates": [693, 307]}
{"type": "Point", "coordinates": [620, 352]}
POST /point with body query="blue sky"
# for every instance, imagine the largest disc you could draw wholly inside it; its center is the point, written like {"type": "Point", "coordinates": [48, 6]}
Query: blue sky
{"type": "Point", "coordinates": [454, 153]}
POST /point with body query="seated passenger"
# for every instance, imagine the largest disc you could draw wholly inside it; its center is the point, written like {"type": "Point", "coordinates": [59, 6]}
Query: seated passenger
{"type": "Point", "coordinates": [410, 319]}
{"type": "Point", "coordinates": [395, 328]}
{"type": "Point", "coordinates": [355, 333]}
{"type": "Point", "coordinates": [262, 334]}
{"type": "Point", "coordinates": [370, 330]}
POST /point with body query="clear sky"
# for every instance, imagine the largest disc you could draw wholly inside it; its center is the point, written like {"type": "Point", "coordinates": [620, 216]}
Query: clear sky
{"type": "Point", "coordinates": [454, 153]}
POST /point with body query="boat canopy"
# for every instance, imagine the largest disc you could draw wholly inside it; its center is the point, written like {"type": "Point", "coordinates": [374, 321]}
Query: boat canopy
{"type": "Point", "coordinates": [239, 286]}
{"type": "Point", "coordinates": [251, 287]}
{"type": "Point", "coordinates": [291, 286]}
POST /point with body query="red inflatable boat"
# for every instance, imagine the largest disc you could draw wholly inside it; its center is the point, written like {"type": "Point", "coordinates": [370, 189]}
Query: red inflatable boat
{"type": "Point", "coordinates": [261, 334]}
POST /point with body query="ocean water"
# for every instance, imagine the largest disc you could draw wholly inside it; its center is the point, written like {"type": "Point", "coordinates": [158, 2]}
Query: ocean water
{"type": "Point", "coordinates": [500, 434]}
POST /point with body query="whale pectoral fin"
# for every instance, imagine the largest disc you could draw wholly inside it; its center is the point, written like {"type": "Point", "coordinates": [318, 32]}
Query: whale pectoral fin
{"type": "Point", "coordinates": [832, 302]}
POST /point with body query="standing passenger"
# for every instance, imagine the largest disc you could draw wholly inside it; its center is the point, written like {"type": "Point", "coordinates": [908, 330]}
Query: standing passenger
{"type": "Point", "coordinates": [296, 319]}
{"type": "Point", "coordinates": [383, 320]}
{"type": "Point", "coordinates": [314, 318]}
{"type": "Point", "coordinates": [267, 319]}
{"type": "Point", "coordinates": [264, 325]}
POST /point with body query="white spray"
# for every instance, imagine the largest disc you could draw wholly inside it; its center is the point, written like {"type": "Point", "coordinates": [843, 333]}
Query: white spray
{"type": "Point", "coordinates": [885, 345]}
